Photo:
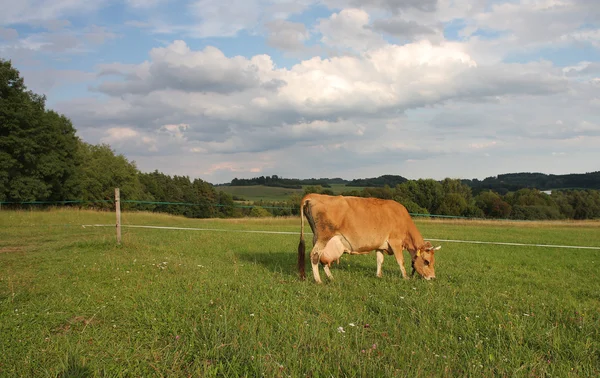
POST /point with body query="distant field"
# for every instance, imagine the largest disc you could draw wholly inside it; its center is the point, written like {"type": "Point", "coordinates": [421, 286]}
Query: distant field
{"type": "Point", "coordinates": [339, 188]}
{"type": "Point", "coordinates": [199, 303]}
{"type": "Point", "coordinates": [259, 192]}
{"type": "Point", "coordinates": [270, 193]}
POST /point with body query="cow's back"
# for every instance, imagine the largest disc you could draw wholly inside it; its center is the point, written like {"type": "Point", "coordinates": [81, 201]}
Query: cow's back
{"type": "Point", "coordinates": [364, 222]}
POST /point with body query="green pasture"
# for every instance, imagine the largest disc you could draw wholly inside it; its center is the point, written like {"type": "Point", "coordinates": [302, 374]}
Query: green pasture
{"type": "Point", "coordinates": [340, 188]}
{"type": "Point", "coordinates": [260, 192]}
{"type": "Point", "coordinates": [182, 303]}
{"type": "Point", "coordinates": [271, 193]}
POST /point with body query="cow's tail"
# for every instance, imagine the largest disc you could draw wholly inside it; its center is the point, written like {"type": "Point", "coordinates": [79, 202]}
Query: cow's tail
{"type": "Point", "coordinates": [302, 244]}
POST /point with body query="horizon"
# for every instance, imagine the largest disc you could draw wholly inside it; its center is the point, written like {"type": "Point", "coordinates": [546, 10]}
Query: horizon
{"type": "Point", "coordinates": [321, 88]}
{"type": "Point", "coordinates": [408, 178]}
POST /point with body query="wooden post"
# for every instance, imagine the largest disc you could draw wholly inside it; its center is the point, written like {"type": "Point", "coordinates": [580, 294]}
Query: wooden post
{"type": "Point", "coordinates": [118, 211]}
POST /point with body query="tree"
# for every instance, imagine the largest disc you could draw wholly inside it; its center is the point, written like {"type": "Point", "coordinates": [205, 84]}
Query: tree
{"type": "Point", "coordinates": [38, 147]}
{"type": "Point", "coordinates": [492, 205]}
{"type": "Point", "coordinates": [426, 193]}
{"type": "Point", "coordinates": [101, 171]}
{"type": "Point", "coordinates": [453, 204]}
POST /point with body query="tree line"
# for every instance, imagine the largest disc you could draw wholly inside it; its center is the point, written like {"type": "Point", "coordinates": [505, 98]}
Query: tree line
{"type": "Point", "coordinates": [502, 183]}
{"type": "Point", "coordinates": [281, 182]}
{"type": "Point", "coordinates": [42, 159]}
{"type": "Point", "coordinates": [452, 197]}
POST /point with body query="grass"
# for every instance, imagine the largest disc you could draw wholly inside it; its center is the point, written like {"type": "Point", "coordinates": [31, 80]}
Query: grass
{"type": "Point", "coordinates": [340, 188]}
{"type": "Point", "coordinates": [260, 192]}
{"type": "Point", "coordinates": [270, 193]}
{"type": "Point", "coordinates": [191, 303]}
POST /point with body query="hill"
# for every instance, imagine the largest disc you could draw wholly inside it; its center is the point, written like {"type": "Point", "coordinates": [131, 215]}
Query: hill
{"type": "Point", "coordinates": [502, 183]}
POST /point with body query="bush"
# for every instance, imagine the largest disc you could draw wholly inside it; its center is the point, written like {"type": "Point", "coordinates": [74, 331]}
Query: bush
{"type": "Point", "coordinates": [535, 213]}
{"type": "Point", "coordinates": [259, 212]}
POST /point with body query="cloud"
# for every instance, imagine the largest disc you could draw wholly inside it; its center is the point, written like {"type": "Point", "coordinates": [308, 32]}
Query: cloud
{"type": "Point", "coordinates": [358, 88]}
{"type": "Point", "coordinates": [219, 19]}
{"type": "Point", "coordinates": [224, 19]}
{"type": "Point", "coordinates": [206, 102]}
{"type": "Point", "coordinates": [584, 68]}
{"type": "Point", "coordinates": [8, 34]}
{"type": "Point", "coordinates": [349, 29]}
{"type": "Point", "coordinates": [525, 27]}
{"type": "Point", "coordinates": [178, 67]}
{"type": "Point", "coordinates": [118, 137]}
{"type": "Point", "coordinates": [59, 44]}
{"type": "Point", "coordinates": [394, 6]}
{"type": "Point", "coordinates": [286, 35]}
{"type": "Point", "coordinates": [36, 11]}
{"type": "Point", "coordinates": [98, 34]}
{"type": "Point", "coordinates": [52, 25]}
{"type": "Point", "coordinates": [402, 29]}
{"type": "Point", "coordinates": [46, 80]}
{"type": "Point", "coordinates": [143, 3]}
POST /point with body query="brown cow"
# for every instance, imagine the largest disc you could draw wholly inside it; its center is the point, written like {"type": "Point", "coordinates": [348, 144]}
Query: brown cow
{"type": "Point", "coordinates": [355, 225]}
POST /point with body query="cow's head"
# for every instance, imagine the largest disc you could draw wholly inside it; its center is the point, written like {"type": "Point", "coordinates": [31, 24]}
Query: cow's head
{"type": "Point", "coordinates": [424, 260]}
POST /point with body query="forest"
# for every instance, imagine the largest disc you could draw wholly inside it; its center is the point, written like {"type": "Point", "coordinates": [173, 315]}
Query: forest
{"type": "Point", "coordinates": [43, 161]}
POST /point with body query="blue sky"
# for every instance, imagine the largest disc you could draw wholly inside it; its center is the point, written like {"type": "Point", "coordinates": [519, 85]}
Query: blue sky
{"type": "Point", "coordinates": [329, 88]}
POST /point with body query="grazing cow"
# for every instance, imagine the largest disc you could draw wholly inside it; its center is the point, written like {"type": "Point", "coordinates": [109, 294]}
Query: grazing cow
{"type": "Point", "coordinates": [355, 225]}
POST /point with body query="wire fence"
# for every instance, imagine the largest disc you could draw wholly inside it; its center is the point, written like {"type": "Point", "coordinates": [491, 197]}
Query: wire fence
{"type": "Point", "coordinates": [309, 233]}
{"type": "Point", "coordinates": [158, 203]}
{"type": "Point", "coordinates": [163, 203]}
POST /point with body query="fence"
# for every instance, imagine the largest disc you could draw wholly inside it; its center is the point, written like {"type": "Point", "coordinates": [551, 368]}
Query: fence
{"type": "Point", "coordinates": [118, 224]}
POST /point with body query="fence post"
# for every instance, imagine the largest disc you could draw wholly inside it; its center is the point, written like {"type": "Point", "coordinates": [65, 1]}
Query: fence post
{"type": "Point", "coordinates": [118, 211]}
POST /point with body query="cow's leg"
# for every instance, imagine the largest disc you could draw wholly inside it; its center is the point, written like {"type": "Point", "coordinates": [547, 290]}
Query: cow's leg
{"type": "Point", "coordinates": [327, 271]}
{"type": "Point", "coordinates": [397, 248]}
{"type": "Point", "coordinates": [379, 262]}
{"type": "Point", "coordinates": [315, 257]}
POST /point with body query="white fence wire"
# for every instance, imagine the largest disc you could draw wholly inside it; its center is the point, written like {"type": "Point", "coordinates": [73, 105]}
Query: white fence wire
{"type": "Point", "coordinates": [309, 233]}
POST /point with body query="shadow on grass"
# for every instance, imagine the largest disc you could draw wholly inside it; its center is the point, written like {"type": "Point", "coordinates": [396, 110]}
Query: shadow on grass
{"type": "Point", "coordinates": [277, 262]}
{"type": "Point", "coordinates": [286, 263]}
{"type": "Point", "coordinates": [74, 369]}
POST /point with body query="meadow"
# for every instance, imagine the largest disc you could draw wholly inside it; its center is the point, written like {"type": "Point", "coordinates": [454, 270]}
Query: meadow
{"type": "Point", "coordinates": [272, 193]}
{"type": "Point", "coordinates": [260, 192]}
{"type": "Point", "coordinates": [205, 303]}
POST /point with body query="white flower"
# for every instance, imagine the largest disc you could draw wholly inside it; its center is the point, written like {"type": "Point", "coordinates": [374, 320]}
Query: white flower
{"type": "Point", "coordinates": [341, 330]}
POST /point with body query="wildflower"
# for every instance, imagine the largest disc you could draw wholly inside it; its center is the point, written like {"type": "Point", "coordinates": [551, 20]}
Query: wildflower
{"type": "Point", "coordinates": [252, 315]}
{"type": "Point", "coordinates": [374, 346]}
{"type": "Point", "coordinates": [177, 337]}
{"type": "Point", "coordinates": [341, 330]}
{"type": "Point", "coordinates": [351, 324]}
